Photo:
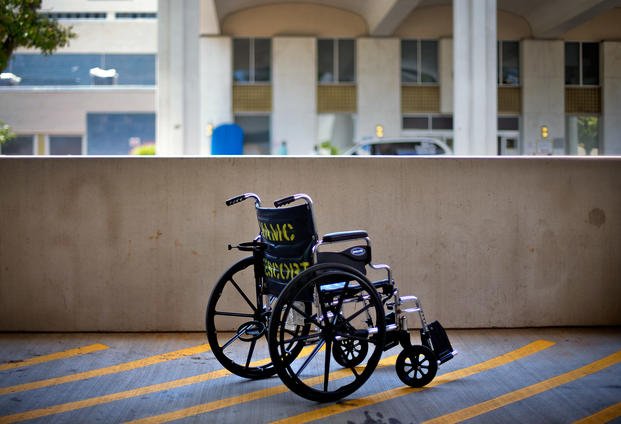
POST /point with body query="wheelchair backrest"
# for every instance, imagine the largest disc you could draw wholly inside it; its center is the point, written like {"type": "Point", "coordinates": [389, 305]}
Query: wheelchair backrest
{"type": "Point", "coordinates": [289, 235]}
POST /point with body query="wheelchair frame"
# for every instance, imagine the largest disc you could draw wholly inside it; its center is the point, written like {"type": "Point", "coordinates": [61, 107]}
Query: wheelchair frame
{"type": "Point", "coordinates": [329, 306]}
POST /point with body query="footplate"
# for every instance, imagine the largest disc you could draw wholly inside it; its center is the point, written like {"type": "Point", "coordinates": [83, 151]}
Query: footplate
{"type": "Point", "coordinates": [435, 338]}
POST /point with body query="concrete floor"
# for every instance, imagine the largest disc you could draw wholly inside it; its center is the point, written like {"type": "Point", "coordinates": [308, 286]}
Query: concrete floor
{"type": "Point", "coordinates": [557, 375]}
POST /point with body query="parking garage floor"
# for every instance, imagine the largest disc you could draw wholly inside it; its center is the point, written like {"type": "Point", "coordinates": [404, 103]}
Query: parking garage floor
{"type": "Point", "coordinates": [550, 375]}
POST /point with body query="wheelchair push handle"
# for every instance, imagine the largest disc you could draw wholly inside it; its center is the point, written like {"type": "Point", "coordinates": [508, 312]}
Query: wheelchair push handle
{"type": "Point", "coordinates": [290, 199]}
{"type": "Point", "coordinates": [234, 200]}
{"type": "Point", "coordinates": [284, 201]}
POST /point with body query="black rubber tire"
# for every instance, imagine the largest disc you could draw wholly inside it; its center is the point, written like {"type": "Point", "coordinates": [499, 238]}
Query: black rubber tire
{"type": "Point", "coordinates": [416, 366]}
{"type": "Point", "coordinates": [330, 319]}
{"type": "Point", "coordinates": [238, 279]}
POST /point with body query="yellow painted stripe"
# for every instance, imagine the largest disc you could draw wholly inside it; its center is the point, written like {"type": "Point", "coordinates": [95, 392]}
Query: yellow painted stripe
{"type": "Point", "coordinates": [526, 392]}
{"type": "Point", "coordinates": [141, 391]}
{"type": "Point", "coordinates": [107, 370]}
{"type": "Point", "coordinates": [349, 405]}
{"type": "Point", "coordinates": [54, 356]}
{"type": "Point", "coordinates": [603, 416]}
{"type": "Point", "coordinates": [248, 397]}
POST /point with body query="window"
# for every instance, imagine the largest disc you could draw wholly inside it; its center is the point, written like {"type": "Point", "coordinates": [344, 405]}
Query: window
{"type": "Point", "coordinates": [65, 145]}
{"type": "Point", "coordinates": [508, 63]}
{"type": "Point", "coordinates": [429, 125]}
{"type": "Point", "coordinates": [336, 61]}
{"type": "Point", "coordinates": [20, 145]}
{"type": "Point", "coordinates": [118, 133]}
{"type": "Point", "coordinates": [256, 133]}
{"type": "Point", "coordinates": [135, 15]}
{"type": "Point", "coordinates": [582, 134]}
{"type": "Point", "coordinates": [508, 123]}
{"type": "Point", "coordinates": [252, 58]}
{"type": "Point", "coordinates": [581, 63]}
{"type": "Point", "coordinates": [74, 69]}
{"type": "Point", "coordinates": [428, 122]}
{"type": "Point", "coordinates": [75, 15]}
{"type": "Point", "coordinates": [419, 61]}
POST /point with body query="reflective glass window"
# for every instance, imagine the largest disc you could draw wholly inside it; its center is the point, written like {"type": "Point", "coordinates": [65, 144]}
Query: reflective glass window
{"type": "Point", "coordinates": [347, 64]}
{"type": "Point", "coordinates": [20, 145]}
{"type": "Point", "coordinates": [256, 130]}
{"type": "Point", "coordinates": [572, 63]}
{"type": "Point", "coordinates": [429, 61]}
{"type": "Point", "coordinates": [325, 61]}
{"type": "Point", "coordinates": [409, 53]}
{"type": "Point", "coordinates": [508, 123]}
{"type": "Point", "coordinates": [590, 63]}
{"type": "Point", "coordinates": [118, 133]}
{"type": "Point", "coordinates": [509, 57]}
{"type": "Point", "coordinates": [262, 59]}
{"type": "Point", "coordinates": [241, 59]}
{"type": "Point", "coordinates": [252, 60]}
{"type": "Point", "coordinates": [336, 60]}
{"type": "Point", "coordinates": [583, 133]}
{"type": "Point", "coordinates": [419, 61]}
{"type": "Point", "coordinates": [74, 69]}
{"type": "Point", "coordinates": [415, 123]}
{"type": "Point", "coordinates": [65, 145]}
{"type": "Point", "coordinates": [442, 123]}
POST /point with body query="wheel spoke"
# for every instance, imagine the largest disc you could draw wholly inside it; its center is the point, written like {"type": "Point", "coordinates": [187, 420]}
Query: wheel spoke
{"type": "Point", "coordinates": [235, 337]}
{"type": "Point", "coordinates": [311, 318]}
{"type": "Point", "coordinates": [358, 312]}
{"type": "Point", "coordinates": [250, 352]}
{"type": "Point", "coordinates": [241, 292]}
{"type": "Point", "coordinates": [234, 314]}
{"type": "Point", "coordinates": [326, 369]}
{"type": "Point", "coordinates": [310, 357]}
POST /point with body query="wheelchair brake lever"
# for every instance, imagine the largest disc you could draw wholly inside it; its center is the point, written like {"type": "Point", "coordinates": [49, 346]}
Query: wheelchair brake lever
{"type": "Point", "coordinates": [248, 246]}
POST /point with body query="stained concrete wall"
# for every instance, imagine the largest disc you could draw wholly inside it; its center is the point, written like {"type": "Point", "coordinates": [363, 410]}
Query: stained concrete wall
{"type": "Point", "coordinates": [134, 244]}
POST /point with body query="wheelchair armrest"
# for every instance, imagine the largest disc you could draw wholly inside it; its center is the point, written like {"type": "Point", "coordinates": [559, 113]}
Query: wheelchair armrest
{"type": "Point", "coordinates": [344, 236]}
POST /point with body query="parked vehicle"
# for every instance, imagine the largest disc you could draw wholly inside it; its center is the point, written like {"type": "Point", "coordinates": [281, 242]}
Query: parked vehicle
{"type": "Point", "coordinates": [413, 146]}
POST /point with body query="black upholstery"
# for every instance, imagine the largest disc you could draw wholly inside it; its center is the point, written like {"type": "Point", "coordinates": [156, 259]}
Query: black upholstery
{"type": "Point", "coordinates": [289, 235]}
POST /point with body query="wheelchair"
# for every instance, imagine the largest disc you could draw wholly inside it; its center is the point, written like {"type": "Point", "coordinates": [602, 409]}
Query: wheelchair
{"type": "Point", "coordinates": [325, 323]}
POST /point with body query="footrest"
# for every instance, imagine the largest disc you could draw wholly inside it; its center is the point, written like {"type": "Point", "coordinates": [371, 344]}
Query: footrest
{"type": "Point", "coordinates": [435, 338]}
{"type": "Point", "coordinates": [409, 299]}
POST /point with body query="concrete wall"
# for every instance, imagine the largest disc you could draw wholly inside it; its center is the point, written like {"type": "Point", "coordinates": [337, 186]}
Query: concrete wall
{"type": "Point", "coordinates": [133, 244]}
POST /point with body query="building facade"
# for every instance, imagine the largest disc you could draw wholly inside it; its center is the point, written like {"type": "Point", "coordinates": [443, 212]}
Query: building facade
{"type": "Point", "coordinates": [505, 77]}
{"type": "Point", "coordinates": [68, 103]}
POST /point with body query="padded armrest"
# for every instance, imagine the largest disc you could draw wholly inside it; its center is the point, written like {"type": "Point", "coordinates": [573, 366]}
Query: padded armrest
{"type": "Point", "coordinates": [344, 236]}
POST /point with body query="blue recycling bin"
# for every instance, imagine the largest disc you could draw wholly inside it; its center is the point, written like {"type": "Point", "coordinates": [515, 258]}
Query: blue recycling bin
{"type": "Point", "coordinates": [227, 139]}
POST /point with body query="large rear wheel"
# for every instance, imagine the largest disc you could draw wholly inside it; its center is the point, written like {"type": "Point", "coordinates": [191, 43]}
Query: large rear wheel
{"type": "Point", "coordinates": [343, 312]}
{"type": "Point", "coordinates": [237, 324]}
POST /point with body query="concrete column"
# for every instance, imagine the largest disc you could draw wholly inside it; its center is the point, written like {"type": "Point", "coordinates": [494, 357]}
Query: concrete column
{"type": "Point", "coordinates": [178, 101]}
{"type": "Point", "coordinates": [445, 64]}
{"type": "Point", "coordinates": [474, 64]}
{"type": "Point", "coordinates": [216, 86]}
{"type": "Point", "coordinates": [611, 97]}
{"type": "Point", "coordinates": [543, 92]}
{"type": "Point", "coordinates": [378, 77]}
{"type": "Point", "coordinates": [294, 98]}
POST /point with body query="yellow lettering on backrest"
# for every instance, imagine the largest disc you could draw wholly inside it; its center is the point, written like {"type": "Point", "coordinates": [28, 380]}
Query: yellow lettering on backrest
{"type": "Point", "coordinates": [287, 236]}
{"type": "Point", "coordinates": [277, 232]}
{"type": "Point", "coordinates": [283, 271]}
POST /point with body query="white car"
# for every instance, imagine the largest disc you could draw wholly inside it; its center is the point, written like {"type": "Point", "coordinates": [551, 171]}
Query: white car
{"type": "Point", "coordinates": [414, 146]}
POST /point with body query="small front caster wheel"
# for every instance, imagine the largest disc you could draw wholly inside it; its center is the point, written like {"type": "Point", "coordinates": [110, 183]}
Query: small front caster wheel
{"type": "Point", "coordinates": [349, 353]}
{"type": "Point", "coordinates": [416, 366]}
